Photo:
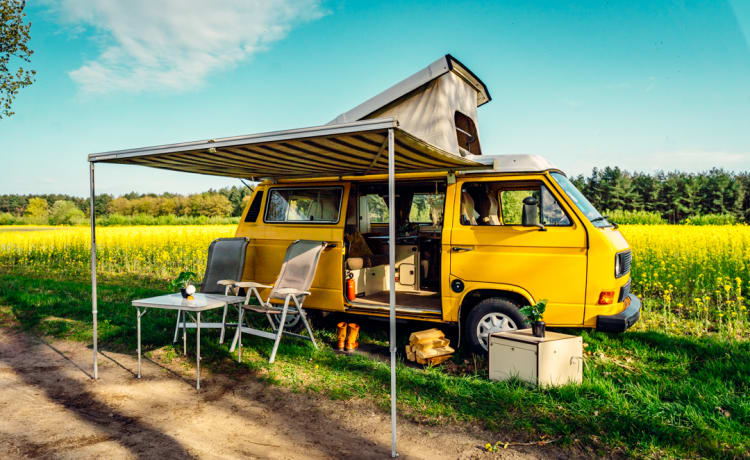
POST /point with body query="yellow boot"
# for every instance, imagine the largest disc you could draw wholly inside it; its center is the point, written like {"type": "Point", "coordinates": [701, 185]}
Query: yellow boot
{"type": "Point", "coordinates": [341, 335]}
{"type": "Point", "coordinates": [351, 337]}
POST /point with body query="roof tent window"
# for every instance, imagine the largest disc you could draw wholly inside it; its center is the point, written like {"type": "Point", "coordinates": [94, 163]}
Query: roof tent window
{"type": "Point", "coordinates": [304, 205]}
{"type": "Point", "coordinates": [466, 132]}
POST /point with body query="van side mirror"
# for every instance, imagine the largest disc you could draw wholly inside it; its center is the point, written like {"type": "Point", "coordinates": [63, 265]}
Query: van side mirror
{"type": "Point", "coordinates": [530, 214]}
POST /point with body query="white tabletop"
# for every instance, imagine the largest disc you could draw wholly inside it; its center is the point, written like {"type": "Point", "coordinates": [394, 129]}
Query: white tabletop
{"type": "Point", "coordinates": [200, 302]}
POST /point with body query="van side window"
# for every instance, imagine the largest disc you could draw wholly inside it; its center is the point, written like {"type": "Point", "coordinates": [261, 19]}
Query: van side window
{"type": "Point", "coordinates": [466, 133]}
{"type": "Point", "coordinates": [304, 205]}
{"type": "Point", "coordinates": [254, 211]}
{"type": "Point", "coordinates": [501, 203]}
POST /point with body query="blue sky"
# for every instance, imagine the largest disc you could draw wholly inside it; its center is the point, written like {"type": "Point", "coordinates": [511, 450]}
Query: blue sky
{"type": "Point", "coordinates": [641, 85]}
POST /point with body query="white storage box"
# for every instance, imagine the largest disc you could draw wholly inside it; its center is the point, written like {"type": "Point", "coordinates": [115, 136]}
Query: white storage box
{"type": "Point", "coordinates": [555, 359]}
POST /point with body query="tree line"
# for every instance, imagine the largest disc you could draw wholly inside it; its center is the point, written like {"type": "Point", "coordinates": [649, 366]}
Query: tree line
{"type": "Point", "coordinates": [225, 202]}
{"type": "Point", "coordinates": [676, 196]}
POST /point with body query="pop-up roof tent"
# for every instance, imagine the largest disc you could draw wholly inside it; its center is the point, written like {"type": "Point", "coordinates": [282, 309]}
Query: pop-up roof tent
{"type": "Point", "coordinates": [424, 123]}
{"type": "Point", "coordinates": [437, 104]}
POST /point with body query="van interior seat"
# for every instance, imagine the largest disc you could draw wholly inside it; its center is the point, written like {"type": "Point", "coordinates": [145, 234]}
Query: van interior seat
{"type": "Point", "coordinates": [467, 208]}
{"type": "Point", "coordinates": [488, 210]}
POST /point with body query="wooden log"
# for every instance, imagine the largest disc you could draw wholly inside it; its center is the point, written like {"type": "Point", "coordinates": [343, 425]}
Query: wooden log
{"type": "Point", "coordinates": [434, 352]}
{"type": "Point", "coordinates": [426, 335]}
{"type": "Point", "coordinates": [439, 359]}
{"type": "Point", "coordinates": [426, 345]}
{"type": "Point", "coordinates": [411, 356]}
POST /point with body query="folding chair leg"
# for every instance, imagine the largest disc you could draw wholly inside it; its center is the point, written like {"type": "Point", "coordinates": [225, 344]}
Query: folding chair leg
{"type": "Point", "coordinates": [237, 332]}
{"type": "Point", "coordinates": [309, 329]}
{"type": "Point", "coordinates": [239, 335]}
{"type": "Point", "coordinates": [303, 316]}
{"type": "Point", "coordinates": [177, 326]}
{"type": "Point", "coordinates": [270, 321]}
{"type": "Point", "coordinates": [280, 331]}
{"type": "Point", "coordinates": [184, 333]}
{"type": "Point", "coordinates": [223, 324]}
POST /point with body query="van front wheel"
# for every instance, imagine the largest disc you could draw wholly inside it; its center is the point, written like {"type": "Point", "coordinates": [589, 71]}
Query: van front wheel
{"type": "Point", "coordinates": [491, 315]}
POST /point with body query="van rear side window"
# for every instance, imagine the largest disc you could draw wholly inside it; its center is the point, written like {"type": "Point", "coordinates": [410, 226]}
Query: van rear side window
{"type": "Point", "coordinates": [304, 205]}
{"type": "Point", "coordinates": [254, 211]}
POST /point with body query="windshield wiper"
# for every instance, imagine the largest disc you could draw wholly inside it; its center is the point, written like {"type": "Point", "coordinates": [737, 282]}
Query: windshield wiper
{"type": "Point", "coordinates": [600, 218]}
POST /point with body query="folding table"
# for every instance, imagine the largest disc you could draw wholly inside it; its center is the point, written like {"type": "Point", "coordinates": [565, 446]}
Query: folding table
{"type": "Point", "coordinates": [200, 303]}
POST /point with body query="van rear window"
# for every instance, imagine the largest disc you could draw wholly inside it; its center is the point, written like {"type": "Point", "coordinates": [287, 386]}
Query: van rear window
{"type": "Point", "coordinates": [304, 205]}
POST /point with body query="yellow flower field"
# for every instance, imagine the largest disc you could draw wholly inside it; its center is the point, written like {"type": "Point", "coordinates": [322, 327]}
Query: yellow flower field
{"type": "Point", "coordinates": [690, 272]}
{"type": "Point", "coordinates": [158, 251]}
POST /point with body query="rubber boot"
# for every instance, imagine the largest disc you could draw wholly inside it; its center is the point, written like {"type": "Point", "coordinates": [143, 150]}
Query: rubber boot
{"type": "Point", "coordinates": [341, 335]}
{"type": "Point", "coordinates": [351, 337]}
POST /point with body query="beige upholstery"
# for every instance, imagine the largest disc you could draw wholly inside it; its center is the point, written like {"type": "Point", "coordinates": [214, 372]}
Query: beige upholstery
{"type": "Point", "coordinates": [292, 286]}
{"type": "Point", "coordinates": [355, 263]}
{"type": "Point", "coordinates": [298, 269]}
{"type": "Point", "coordinates": [488, 210]}
{"type": "Point", "coordinates": [467, 208]}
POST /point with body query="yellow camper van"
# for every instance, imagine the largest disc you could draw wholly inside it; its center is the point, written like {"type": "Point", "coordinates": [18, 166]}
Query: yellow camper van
{"type": "Point", "coordinates": [476, 236]}
{"type": "Point", "coordinates": [471, 248]}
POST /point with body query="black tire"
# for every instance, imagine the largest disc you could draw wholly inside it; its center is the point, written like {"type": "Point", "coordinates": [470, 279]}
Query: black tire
{"type": "Point", "coordinates": [497, 305]}
{"type": "Point", "coordinates": [294, 322]}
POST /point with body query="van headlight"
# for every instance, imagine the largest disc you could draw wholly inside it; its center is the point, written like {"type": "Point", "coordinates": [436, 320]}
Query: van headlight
{"type": "Point", "coordinates": [622, 263]}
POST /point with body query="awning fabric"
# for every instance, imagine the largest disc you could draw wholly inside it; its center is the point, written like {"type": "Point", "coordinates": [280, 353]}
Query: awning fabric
{"type": "Point", "coordinates": [330, 150]}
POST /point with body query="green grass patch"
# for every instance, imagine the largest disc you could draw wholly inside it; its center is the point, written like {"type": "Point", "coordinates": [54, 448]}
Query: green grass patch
{"type": "Point", "coordinates": [648, 393]}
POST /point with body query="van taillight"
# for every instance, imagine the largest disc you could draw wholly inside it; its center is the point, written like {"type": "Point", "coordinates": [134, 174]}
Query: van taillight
{"type": "Point", "coordinates": [606, 297]}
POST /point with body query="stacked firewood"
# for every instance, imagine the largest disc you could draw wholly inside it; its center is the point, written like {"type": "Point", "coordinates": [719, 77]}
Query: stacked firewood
{"type": "Point", "coordinates": [429, 347]}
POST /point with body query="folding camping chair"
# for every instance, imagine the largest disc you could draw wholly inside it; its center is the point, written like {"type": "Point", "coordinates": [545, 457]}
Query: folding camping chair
{"type": "Point", "coordinates": [292, 284]}
{"type": "Point", "coordinates": [226, 261]}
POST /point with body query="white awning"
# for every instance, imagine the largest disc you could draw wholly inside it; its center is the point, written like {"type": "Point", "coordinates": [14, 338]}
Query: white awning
{"type": "Point", "coordinates": [330, 150]}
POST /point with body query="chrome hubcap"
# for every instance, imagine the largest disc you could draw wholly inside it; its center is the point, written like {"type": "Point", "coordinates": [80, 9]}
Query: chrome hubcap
{"type": "Point", "coordinates": [491, 323]}
{"type": "Point", "coordinates": [290, 321]}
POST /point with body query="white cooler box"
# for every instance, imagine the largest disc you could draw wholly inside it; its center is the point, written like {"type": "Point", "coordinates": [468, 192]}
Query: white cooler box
{"type": "Point", "coordinates": [556, 359]}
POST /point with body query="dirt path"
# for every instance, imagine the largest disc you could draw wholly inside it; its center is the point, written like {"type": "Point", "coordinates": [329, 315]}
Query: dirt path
{"type": "Point", "coordinates": [50, 407]}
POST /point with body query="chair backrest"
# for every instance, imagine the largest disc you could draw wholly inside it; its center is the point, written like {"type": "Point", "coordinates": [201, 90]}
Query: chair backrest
{"type": "Point", "coordinates": [226, 261]}
{"type": "Point", "coordinates": [300, 264]}
{"type": "Point", "coordinates": [467, 209]}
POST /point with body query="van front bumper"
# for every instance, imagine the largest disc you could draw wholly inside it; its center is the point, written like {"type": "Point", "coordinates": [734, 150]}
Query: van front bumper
{"type": "Point", "coordinates": [621, 321]}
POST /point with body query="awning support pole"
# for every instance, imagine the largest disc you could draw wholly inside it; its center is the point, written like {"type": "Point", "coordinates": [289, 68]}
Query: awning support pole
{"type": "Point", "coordinates": [93, 268]}
{"type": "Point", "coordinates": [392, 279]}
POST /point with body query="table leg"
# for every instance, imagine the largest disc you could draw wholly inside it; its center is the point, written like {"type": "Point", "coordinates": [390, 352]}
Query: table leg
{"type": "Point", "coordinates": [198, 352]}
{"type": "Point", "coordinates": [184, 333]}
{"type": "Point", "coordinates": [138, 312]}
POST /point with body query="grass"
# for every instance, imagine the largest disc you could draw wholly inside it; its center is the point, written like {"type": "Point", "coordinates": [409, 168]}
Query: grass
{"type": "Point", "coordinates": [647, 393]}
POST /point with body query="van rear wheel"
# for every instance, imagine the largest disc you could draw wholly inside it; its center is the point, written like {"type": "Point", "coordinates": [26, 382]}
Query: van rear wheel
{"type": "Point", "coordinates": [491, 315]}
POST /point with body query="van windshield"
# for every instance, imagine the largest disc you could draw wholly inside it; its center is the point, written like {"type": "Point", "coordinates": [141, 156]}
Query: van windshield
{"type": "Point", "coordinates": [580, 201]}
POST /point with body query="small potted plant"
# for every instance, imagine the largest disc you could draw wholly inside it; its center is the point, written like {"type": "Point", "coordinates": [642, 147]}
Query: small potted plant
{"type": "Point", "coordinates": [183, 282]}
{"type": "Point", "coordinates": [534, 313]}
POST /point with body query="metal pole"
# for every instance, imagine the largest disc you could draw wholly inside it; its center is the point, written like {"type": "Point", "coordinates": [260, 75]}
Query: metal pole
{"type": "Point", "coordinates": [93, 269]}
{"type": "Point", "coordinates": [138, 312]}
{"type": "Point", "coordinates": [392, 280]}
{"type": "Point", "coordinates": [198, 352]}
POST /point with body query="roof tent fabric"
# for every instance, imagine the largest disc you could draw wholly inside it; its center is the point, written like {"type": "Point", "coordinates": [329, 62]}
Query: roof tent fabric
{"type": "Point", "coordinates": [425, 104]}
{"type": "Point", "coordinates": [330, 150]}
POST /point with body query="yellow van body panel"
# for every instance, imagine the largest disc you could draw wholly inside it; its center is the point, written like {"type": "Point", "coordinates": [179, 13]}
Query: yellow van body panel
{"type": "Point", "coordinates": [569, 266]}
{"type": "Point", "coordinates": [525, 256]}
{"type": "Point", "coordinates": [269, 242]}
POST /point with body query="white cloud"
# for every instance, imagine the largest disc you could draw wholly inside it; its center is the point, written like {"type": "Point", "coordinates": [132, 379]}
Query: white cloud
{"type": "Point", "coordinates": [175, 44]}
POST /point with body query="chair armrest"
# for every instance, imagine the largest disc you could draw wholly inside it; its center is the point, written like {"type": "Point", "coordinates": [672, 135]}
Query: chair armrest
{"type": "Point", "coordinates": [251, 284]}
{"type": "Point", "coordinates": [226, 282]}
{"type": "Point", "coordinates": [293, 291]}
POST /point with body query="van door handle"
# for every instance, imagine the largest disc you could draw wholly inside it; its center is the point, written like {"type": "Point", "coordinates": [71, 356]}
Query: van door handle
{"type": "Point", "coordinates": [461, 249]}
